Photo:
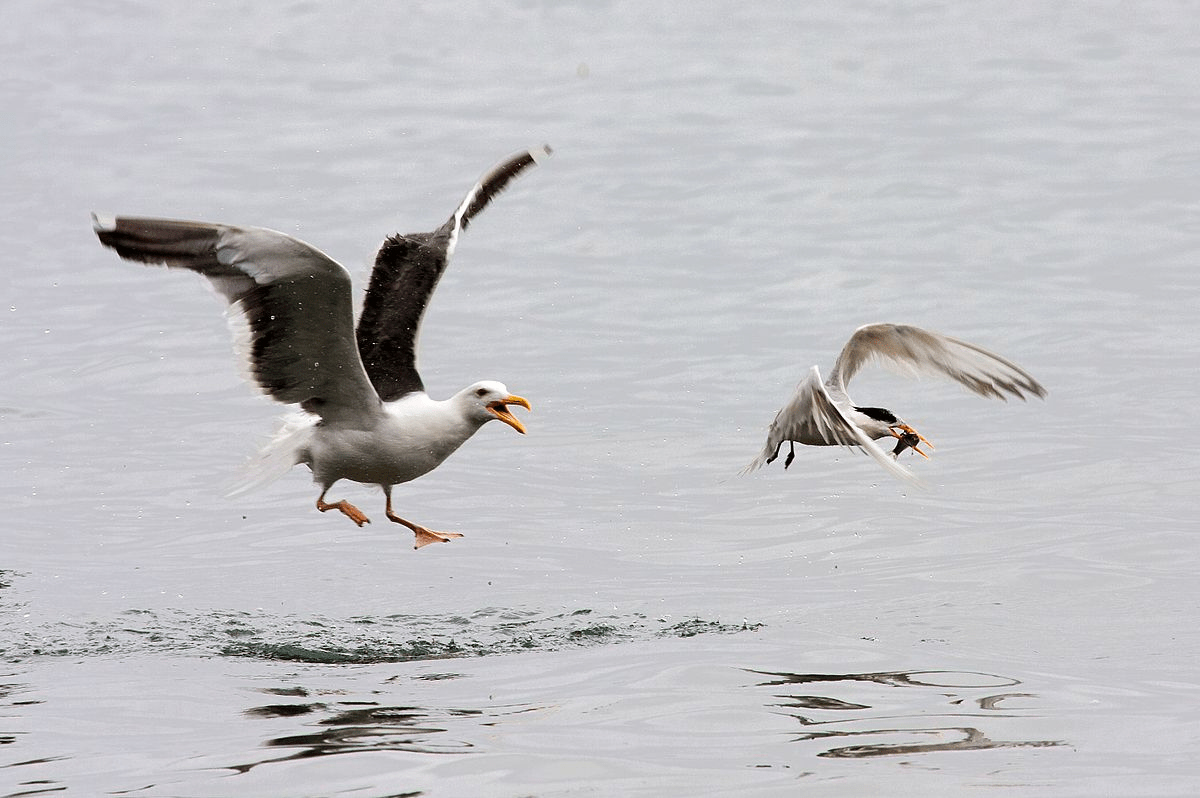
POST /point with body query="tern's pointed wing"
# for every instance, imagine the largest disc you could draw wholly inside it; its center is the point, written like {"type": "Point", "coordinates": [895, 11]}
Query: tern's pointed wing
{"type": "Point", "coordinates": [918, 351]}
{"type": "Point", "coordinates": [294, 299]}
{"type": "Point", "coordinates": [811, 416]}
{"type": "Point", "coordinates": [407, 269]}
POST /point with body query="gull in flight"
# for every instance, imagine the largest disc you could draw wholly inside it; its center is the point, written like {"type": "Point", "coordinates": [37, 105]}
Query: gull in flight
{"type": "Point", "coordinates": [821, 413]}
{"type": "Point", "coordinates": [364, 412]}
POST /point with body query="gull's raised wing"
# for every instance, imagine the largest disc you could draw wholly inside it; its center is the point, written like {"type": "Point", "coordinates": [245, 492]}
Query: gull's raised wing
{"type": "Point", "coordinates": [407, 269]}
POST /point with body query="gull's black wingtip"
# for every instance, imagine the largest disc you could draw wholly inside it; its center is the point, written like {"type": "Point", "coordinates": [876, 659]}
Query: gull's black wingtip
{"type": "Point", "coordinates": [491, 184]}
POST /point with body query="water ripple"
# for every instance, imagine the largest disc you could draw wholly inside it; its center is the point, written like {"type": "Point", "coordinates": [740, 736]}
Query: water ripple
{"type": "Point", "coordinates": [356, 640]}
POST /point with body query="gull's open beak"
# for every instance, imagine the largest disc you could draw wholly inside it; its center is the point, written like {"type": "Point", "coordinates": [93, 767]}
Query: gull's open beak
{"type": "Point", "coordinates": [500, 411]}
{"type": "Point", "coordinates": [910, 431]}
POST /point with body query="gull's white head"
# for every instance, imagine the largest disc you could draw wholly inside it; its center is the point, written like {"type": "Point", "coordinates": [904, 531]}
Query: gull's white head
{"type": "Point", "coordinates": [488, 400]}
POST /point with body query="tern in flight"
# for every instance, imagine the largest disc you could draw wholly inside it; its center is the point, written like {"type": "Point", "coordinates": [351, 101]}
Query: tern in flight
{"type": "Point", "coordinates": [821, 413]}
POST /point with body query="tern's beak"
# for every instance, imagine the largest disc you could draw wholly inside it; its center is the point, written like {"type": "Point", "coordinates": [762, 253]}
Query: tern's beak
{"type": "Point", "coordinates": [500, 410]}
{"type": "Point", "coordinates": [910, 431]}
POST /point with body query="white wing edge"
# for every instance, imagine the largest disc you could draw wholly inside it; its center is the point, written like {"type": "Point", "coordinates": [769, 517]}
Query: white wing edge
{"type": "Point", "coordinates": [539, 156]}
{"type": "Point", "coordinates": [868, 446]}
{"type": "Point", "coordinates": [866, 443]}
{"type": "Point", "coordinates": [884, 458]}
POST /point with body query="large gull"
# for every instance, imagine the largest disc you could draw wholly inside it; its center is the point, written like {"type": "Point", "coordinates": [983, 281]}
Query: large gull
{"type": "Point", "coordinates": [821, 413]}
{"type": "Point", "coordinates": [364, 413]}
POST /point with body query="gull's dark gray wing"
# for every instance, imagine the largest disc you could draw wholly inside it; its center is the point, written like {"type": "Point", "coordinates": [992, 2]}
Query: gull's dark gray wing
{"type": "Point", "coordinates": [407, 269]}
{"type": "Point", "coordinates": [295, 301]}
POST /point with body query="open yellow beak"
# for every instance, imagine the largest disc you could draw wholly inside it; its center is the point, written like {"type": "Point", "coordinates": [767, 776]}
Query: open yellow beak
{"type": "Point", "coordinates": [911, 431]}
{"type": "Point", "coordinates": [500, 410]}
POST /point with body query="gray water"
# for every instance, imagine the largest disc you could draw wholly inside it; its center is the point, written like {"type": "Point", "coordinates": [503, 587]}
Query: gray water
{"type": "Point", "coordinates": [735, 188]}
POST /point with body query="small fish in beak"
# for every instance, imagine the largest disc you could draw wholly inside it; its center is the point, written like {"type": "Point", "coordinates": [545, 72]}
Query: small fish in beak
{"type": "Point", "coordinates": [908, 439]}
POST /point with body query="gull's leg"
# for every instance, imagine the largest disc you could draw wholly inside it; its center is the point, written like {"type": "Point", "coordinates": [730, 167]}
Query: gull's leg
{"type": "Point", "coordinates": [348, 509]}
{"type": "Point", "coordinates": [791, 455]}
{"type": "Point", "coordinates": [775, 454]}
{"type": "Point", "coordinates": [423, 536]}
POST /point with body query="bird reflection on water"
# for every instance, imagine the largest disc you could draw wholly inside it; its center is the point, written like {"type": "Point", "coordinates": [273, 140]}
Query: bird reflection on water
{"type": "Point", "coordinates": [956, 689]}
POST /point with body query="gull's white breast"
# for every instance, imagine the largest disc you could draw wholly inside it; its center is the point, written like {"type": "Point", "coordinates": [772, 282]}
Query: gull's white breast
{"type": "Point", "coordinates": [411, 437]}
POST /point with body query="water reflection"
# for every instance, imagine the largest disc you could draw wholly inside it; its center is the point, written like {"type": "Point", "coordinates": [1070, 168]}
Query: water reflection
{"type": "Point", "coordinates": [12, 685]}
{"type": "Point", "coordinates": [347, 727]}
{"type": "Point", "coordinates": [885, 723]}
{"type": "Point", "coordinates": [972, 739]}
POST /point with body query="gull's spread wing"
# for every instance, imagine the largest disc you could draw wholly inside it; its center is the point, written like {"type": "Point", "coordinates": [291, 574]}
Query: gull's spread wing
{"type": "Point", "coordinates": [295, 301]}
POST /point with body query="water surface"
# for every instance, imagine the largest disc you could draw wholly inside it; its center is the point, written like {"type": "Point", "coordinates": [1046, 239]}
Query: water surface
{"type": "Point", "coordinates": [734, 190]}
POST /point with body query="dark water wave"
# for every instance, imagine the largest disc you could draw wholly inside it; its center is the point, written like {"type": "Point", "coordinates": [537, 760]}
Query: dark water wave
{"type": "Point", "coordinates": [360, 640]}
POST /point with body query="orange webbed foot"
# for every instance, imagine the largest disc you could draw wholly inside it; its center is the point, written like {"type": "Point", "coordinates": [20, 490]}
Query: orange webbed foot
{"type": "Point", "coordinates": [423, 536]}
{"type": "Point", "coordinates": [426, 536]}
{"type": "Point", "coordinates": [347, 509]}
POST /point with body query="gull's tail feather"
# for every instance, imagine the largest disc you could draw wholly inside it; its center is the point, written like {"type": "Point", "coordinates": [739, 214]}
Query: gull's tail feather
{"type": "Point", "coordinates": [286, 449]}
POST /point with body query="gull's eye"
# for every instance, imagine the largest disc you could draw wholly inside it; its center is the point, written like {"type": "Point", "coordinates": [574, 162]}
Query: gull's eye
{"type": "Point", "coordinates": [481, 392]}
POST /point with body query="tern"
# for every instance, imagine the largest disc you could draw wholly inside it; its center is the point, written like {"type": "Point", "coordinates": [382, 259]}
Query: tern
{"type": "Point", "coordinates": [364, 414]}
{"type": "Point", "coordinates": [821, 413]}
